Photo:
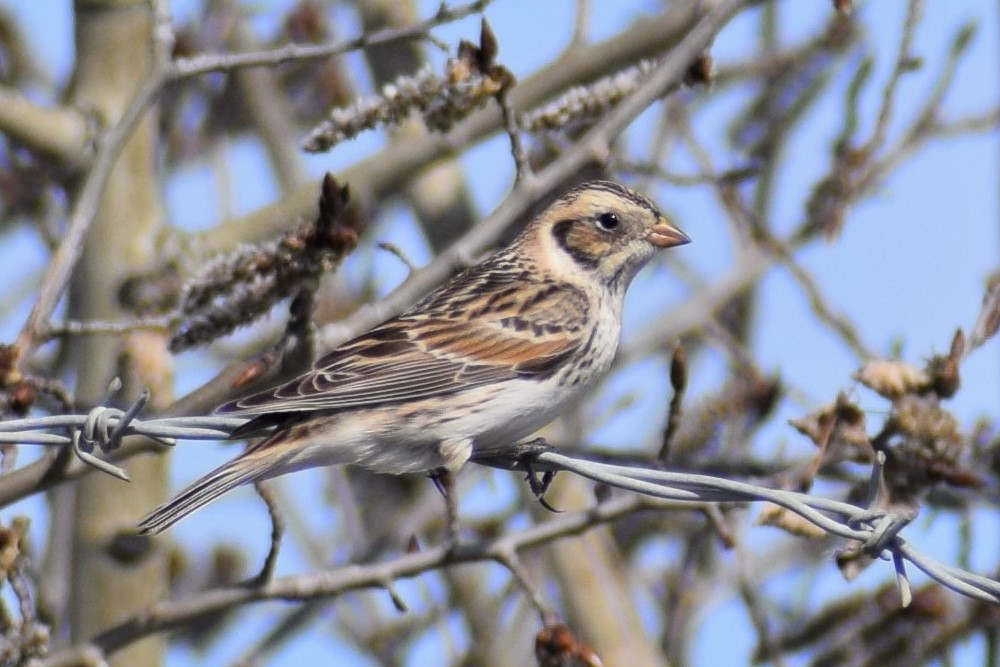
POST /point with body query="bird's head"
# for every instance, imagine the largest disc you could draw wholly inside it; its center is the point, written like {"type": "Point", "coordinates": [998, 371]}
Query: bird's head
{"type": "Point", "coordinates": [604, 229]}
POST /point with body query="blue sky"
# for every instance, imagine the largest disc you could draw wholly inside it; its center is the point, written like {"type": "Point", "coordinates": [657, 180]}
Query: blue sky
{"type": "Point", "coordinates": [910, 266]}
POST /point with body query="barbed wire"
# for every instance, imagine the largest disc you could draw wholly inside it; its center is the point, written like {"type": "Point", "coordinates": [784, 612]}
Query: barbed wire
{"type": "Point", "coordinates": [877, 530]}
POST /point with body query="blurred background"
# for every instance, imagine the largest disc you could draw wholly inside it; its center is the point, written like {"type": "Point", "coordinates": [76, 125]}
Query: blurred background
{"type": "Point", "coordinates": [839, 177]}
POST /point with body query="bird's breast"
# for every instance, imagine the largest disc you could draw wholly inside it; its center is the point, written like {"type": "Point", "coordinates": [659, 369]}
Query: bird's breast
{"type": "Point", "coordinates": [601, 343]}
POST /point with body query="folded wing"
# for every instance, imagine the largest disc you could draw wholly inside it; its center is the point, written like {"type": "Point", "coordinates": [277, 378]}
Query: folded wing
{"type": "Point", "coordinates": [432, 354]}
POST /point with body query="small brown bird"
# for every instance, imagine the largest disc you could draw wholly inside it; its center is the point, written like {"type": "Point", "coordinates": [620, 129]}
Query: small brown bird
{"type": "Point", "coordinates": [488, 358]}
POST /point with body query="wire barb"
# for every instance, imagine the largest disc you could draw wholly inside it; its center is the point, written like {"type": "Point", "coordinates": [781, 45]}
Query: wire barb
{"type": "Point", "coordinates": [96, 431]}
{"type": "Point", "coordinates": [80, 450]}
{"type": "Point", "coordinates": [878, 531]}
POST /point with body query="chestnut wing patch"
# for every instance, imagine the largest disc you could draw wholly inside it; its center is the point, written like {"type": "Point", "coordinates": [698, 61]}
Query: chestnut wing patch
{"type": "Point", "coordinates": [415, 358]}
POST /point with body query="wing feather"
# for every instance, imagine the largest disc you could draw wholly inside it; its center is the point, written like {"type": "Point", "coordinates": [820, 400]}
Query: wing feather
{"type": "Point", "coordinates": [435, 352]}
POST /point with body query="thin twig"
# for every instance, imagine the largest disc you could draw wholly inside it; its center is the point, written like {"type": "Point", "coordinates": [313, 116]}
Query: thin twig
{"type": "Point", "coordinates": [203, 64]}
{"type": "Point", "coordinates": [98, 327]}
{"type": "Point", "coordinates": [517, 150]}
{"type": "Point", "coordinates": [678, 382]}
{"type": "Point", "coordinates": [512, 562]}
{"type": "Point", "coordinates": [904, 62]}
{"type": "Point", "coordinates": [835, 321]}
{"type": "Point", "coordinates": [109, 147]}
{"type": "Point", "coordinates": [266, 494]}
{"type": "Point", "coordinates": [396, 251]}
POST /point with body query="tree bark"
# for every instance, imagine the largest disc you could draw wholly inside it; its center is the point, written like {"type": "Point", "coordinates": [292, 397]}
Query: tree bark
{"type": "Point", "coordinates": [115, 573]}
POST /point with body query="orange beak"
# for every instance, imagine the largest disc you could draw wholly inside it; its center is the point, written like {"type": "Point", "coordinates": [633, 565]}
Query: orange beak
{"type": "Point", "coordinates": [664, 235]}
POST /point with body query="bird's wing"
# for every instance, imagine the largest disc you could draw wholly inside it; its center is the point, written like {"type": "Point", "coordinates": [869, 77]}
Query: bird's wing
{"type": "Point", "coordinates": [427, 354]}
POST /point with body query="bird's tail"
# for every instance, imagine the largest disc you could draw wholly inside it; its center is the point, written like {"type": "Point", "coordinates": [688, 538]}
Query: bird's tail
{"type": "Point", "coordinates": [223, 479]}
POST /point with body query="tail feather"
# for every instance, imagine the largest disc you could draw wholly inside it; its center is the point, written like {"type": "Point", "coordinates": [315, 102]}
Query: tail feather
{"type": "Point", "coordinates": [221, 480]}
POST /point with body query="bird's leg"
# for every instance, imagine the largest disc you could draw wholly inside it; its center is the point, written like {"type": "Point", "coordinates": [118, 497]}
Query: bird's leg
{"type": "Point", "coordinates": [527, 456]}
{"type": "Point", "coordinates": [540, 486]}
{"type": "Point", "coordinates": [522, 456]}
{"type": "Point", "coordinates": [444, 480]}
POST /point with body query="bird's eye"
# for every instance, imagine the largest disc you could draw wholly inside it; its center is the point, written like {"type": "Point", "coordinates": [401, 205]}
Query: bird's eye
{"type": "Point", "coordinates": [608, 221]}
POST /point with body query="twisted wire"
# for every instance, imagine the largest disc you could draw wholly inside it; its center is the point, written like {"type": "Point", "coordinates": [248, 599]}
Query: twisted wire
{"type": "Point", "coordinates": [879, 532]}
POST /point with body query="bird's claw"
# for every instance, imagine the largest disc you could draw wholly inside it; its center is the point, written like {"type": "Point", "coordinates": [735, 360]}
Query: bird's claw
{"type": "Point", "coordinates": [527, 453]}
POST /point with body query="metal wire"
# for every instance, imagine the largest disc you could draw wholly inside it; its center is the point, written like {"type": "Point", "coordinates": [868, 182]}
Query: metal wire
{"type": "Point", "coordinates": [686, 486]}
{"type": "Point", "coordinates": [879, 532]}
{"type": "Point", "coordinates": [35, 431]}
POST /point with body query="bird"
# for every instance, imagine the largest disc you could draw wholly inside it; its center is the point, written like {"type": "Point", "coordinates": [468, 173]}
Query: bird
{"type": "Point", "coordinates": [485, 360]}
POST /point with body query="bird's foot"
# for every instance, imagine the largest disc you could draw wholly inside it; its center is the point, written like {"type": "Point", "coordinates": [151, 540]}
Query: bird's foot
{"type": "Point", "coordinates": [523, 456]}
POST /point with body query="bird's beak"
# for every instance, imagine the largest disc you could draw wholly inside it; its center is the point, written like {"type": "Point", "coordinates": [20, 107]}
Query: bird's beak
{"type": "Point", "coordinates": [665, 235]}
